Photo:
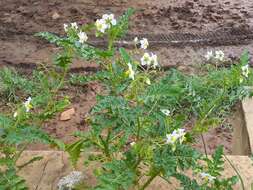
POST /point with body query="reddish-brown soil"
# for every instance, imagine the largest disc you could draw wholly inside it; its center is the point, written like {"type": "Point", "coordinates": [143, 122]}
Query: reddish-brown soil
{"type": "Point", "coordinates": [20, 19]}
{"type": "Point", "coordinates": [215, 137]}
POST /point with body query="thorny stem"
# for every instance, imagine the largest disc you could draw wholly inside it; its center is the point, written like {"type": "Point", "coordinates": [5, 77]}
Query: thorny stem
{"type": "Point", "coordinates": [105, 144]}
{"type": "Point", "coordinates": [138, 129]}
{"type": "Point", "coordinates": [16, 123]}
{"type": "Point", "coordinates": [61, 81]}
{"type": "Point", "coordinates": [210, 110]}
{"type": "Point", "coordinates": [236, 171]}
{"type": "Point", "coordinates": [136, 181]}
{"type": "Point", "coordinates": [17, 156]}
{"type": "Point", "coordinates": [204, 143]}
{"type": "Point", "coordinates": [111, 39]}
{"type": "Point", "coordinates": [152, 177]}
{"type": "Point", "coordinates": [153, 107]}
{"type": "Point", "coordinates": [202, 121]}
{"type": "Point", "coordinates": [57, 89]}
{"type": "Point", "coordinates": [137, 163]}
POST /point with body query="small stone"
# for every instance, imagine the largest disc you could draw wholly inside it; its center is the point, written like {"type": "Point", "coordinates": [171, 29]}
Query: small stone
{"type": "Point", "coordinates": [66, 115]}
{"type": "Point", "coordinates": [55, 16]}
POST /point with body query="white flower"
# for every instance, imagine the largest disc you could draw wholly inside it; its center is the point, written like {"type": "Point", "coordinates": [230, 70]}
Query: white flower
{"type": "Point", "coordinates": [207, 177]}
{"type": "Point", "coordinates": [176, 135]}
{"type": "Point", "coordinates": [74, 25]}
{"type": "Point", "coordinates": [145, 60]}
{"type": "Point", "coordinates": [136, 40]}
{"type": "Point", "coordinates": [148, 59]}
{"type": "Point", "coordinates": [101, 25]}
{"type": "Point", "coordinates": [130, 71]}
{"type": "Point", "coordinates": [245, 70]}
{"type": "Point", "coordinates": [109, 20]}
{"type": "Point", "coordinates": [170, 139]}
{"type": "Point", "coordinates": [15, 114]}
{"type": "Point", "coordinates": [181, 135]}
{"type": "Point", "coordinates": [132, 143]}
{"type": "Point", "coordinates": [165, 112]}
{"type": "Point", "coordinates": [148, 81]}
{"type": "Point", "coordinates": [144, 43]}
{"type": "Point", "coordinates": [209, 55]}
{"type": "Point", "coordinates": [65, 26]}
{"type": "Point", "coordinates": [69, 181]}
{"type": "Point", "coordinates": [82, 37]}
{"type": "Point", "coordinates": [153, 59]}
{"type": "Point", "coordinates": [28, 104]}
{"type": "Point", "coordinates": [219, 55]}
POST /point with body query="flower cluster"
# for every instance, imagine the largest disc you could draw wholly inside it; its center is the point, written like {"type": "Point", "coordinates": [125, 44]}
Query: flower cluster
{"type": "Point", "coordinates": [27, 104]}
{"type": "Point", "coordinates": [81, 35]}
{"type": "Point", "coordinates": [69, 181]}
{"type": "Point", "coordinates": [143, 42]}
{"type": "Point", "coordinates": [206, 177]}
{"type": "Point", "coordinates": [72, 25]}
{"type": "Point", "coordinates": [106, 22]}
{"type": "Point", "coordinates": [146, 60]}
{"type": "Point", "coordinates": [177, 135]}
{"type": "Point", "coordinates": [217, 55]}
{"type": "Point", "coordinates": [149, 60]}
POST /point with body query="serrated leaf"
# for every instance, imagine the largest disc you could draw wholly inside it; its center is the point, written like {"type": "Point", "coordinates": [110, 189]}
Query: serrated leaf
{"type": "Point", "coordinates": [244, 58]}
{"type": "Point", "coordinates": [125, 55]}
{"type": "Point", "coordinates": [74, 150]}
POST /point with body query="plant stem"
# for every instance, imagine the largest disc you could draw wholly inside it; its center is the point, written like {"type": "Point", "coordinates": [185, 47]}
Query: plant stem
{"type": "Point", "coordinates": [137, 163]}
{"type": "Point", "coordinates": [55, 91]}
{"type": "Point", "coordinates": [138, 129]}
{"type": "Point", "coordinates": [111, 41]}
{"type": "Point", "coordinates": [152, 177]}
{"type": "Point", "coordinates": [105, 144]}
{"type": "Point", "coordinates": [203, 140]}
{"type": "Point", "coordinates": [236, 171]}
{"type": "Point", "coordinates": [17, 156]}
{"type": "Point", "coordinates": [61, 81]}
{"type": "Point", "coordinates": [153, 107]}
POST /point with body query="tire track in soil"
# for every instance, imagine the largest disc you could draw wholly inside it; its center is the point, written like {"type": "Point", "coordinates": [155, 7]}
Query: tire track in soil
{"type": "Point", "coordinates": [232, 36]}
{"type": "Point", "coordinates": [21, 19]}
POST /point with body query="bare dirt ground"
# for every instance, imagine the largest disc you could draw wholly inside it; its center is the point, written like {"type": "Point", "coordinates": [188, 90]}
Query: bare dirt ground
{"type": "Point", "coordinates": [20, 19]}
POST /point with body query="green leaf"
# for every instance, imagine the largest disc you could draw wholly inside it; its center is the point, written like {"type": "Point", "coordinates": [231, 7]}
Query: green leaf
{"type": "Point", "coordinates": [13, 86]}
{"type": "Point", "coordinates": [126, 57]}
{"type": "Point", "coordinates": [186, 182]}
{"type": "Point", "coordinates": [9, 180]}
{"type": "Point", "coordinates": [117, 175]}
{"type": "Point", "coordinates": [244, 58]}
{"type": "Point", "coordinates": [74, 150]}
{"type": "Point", "coordinates": [52, 38]}
{"type": "Point", "coordinates": [63, 60]}
{"type": "Point", "coordinates": [123, 23]}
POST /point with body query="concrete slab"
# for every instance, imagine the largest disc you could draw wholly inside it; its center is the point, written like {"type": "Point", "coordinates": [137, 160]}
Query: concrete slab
{"type": "Point", "coordinates": [240, 140]}
{"type": "Point", "coordinates": [247, 107]}
{"type": "Point", "coordinates": [44, 174]}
